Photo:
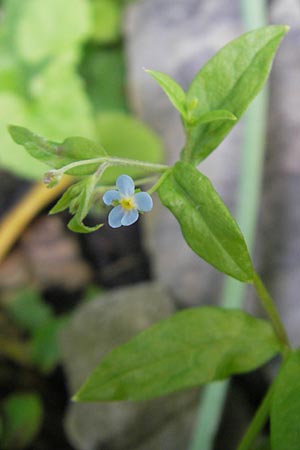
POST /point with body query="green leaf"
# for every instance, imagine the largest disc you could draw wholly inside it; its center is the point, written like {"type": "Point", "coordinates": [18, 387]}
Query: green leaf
{"type": "Point", "coordinates": [13, 157]}
{"type": "Point", "coordinates": [50, 27]}
{"type": "Point", "coordinates": [103, 70]}
{"type": "Point", "coordinates": [211, 116]}
{"type": "Point", "coordinates": [29, 310]}
{"type": "Point", "coordinates": [22, 414]}
{"type": "Point", "coordinates": [67, 198]}
{"type": "Point", "coordinates": [230, 81]}
{"type": "Point", "coordinates": [107, 15]}
{"type": "Point", "coordinates": [59, 103]}
{"type": "Point", "coordinates": [79, 199]}
{"type": "Point", "coordinates": [125, 137]}
{"type": "Point", "coordinates": [285, 407]}
{"type": "Point", "coordinates": [79, 148]}
{"type": "Point", "coordinates": [193, 347]}
{"type": "Point", "coordinates": [58, 155]}
{"type": "Point", "coordinates": [82, 206]}
{"type": "Point", "coordinates": [44, 93]}
{"type": "Point", "coordinates": [44, 345]}
{"type": "Point", "coordinates": [175, 92]}
{"type": "Point", "coordinates": [206, 224]}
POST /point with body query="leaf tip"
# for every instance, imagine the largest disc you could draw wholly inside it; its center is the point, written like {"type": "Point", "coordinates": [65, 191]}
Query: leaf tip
{"type": "Point", "coordinates": [13, 131]}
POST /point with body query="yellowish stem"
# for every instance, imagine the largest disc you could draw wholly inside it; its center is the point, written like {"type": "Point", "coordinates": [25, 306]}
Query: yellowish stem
{"type": "Point", "coordinates": [16, 220]}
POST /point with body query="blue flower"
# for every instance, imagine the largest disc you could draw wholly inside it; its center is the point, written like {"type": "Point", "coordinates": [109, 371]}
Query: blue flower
{"type": "Point", "coordinates": [127, 204]}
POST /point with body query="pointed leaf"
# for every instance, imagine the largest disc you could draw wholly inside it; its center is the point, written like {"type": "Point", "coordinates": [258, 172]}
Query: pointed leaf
{"type": "Point", "coordinates": [218, 114]}
{"type": "Point", "coordinates": [175, 92]}
{"type": "Point", "coordinates": [58, 155]}
{"type": "Point", "coordinates": [285, 408]}
{"type": "Point", "coordinates": [230, 80]}
{"type": "Point", "coordinates": [79, 227]}
{"type": "Point", "coordinates": [193, 347]}
{"type": "Point", "coordinates": [65, 200]}
{"type": "Point", "coordinates": [206, 223]}
{"type": "Point", "coordinates": [83, 204]}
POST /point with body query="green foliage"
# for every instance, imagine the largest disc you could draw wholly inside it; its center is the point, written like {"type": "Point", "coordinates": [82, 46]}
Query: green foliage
{"type": "Point", "coordinates": [34, 31]}
{"type": "Point", "coordinates": [57, 155]}
{"type": "Point", "coordinates": [192, 347]}
{"type": "Point", "coordinates": [285, 408]}
{"type": "Point", "coordinates": [44, 345]}
{"type": "Point", "coordinates": [172, 89]}
{"type": "Point", "coordinates": [230, 81]}
{"type": "Point", "coordinates": [178, 98]}
{"type": "Point", "coordinates": [206, 223]}
{"type": "Point", "coordinates": [106, 15]}
{"type": "Point", "coordinates": [133, 139]}
{"type": "Point", "coordinates": [107, 20]}
{"type": "Point", "coordinates": [81, 206]}
{"type": "Point", "coordinates": [195, 346]}
{"type": "Point", "coordinates": [29, 311]}
{"type": "Point", "coordinates": [212, 116]}
{"type": "Point", "coordinates": [22, 418]}
{"type": "Point", "coordinates": [78, 198]}
{"type": "Point", "coordinates": [103, 70]}
{"type": "Point", "coordinates": [39, 86]}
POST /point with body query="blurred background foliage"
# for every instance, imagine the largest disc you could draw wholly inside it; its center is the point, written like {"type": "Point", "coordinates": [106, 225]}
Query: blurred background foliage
{"type": "Point", "coordinates": [61, 70]}
{"type": "Point", "coordinates": [62, 73]}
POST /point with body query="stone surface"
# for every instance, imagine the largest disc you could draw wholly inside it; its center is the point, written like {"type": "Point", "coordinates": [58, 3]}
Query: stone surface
{"type": "Point", "coordinates": [95, 329]}
{"type": "Point", "coordinates": [53, 255]}
{"type": "Point", "coordinates": [178, 41]}
{"type": "Point", "coordinates": [278, 249]}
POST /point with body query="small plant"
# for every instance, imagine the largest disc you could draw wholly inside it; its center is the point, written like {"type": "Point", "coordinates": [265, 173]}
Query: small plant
{"type": "Point", "coordinates": [204, 344]}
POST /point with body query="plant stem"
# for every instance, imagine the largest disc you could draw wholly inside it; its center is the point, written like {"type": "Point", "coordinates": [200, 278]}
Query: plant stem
{"type": "Point", "coordinates": [111, 161]}
{"type": "Point", "coordinates": [158, 183]}
{"type": "Point", "coordinates": [269, 307]}
{"type": "Point", "coordinates": [257, 422]}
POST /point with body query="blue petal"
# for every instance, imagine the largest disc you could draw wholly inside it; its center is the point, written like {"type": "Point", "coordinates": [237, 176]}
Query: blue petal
{"type": "Point", "coordinates": [125, 185]}
{"type": "Point", "coordinates": [111, 196]}
{"type": "Point", "coordinates": [143, 201]}
{"type": "Point", "coordinates": [115, 217]}
{"type": "Point", "coordinates": [130, 217]}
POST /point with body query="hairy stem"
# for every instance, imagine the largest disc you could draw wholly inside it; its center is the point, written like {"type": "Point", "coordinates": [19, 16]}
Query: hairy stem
{"type": "Point", "coordinates": [112, 161]}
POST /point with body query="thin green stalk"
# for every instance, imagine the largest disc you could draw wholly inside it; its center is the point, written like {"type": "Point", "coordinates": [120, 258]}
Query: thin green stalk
{"type": "Point", "coordinates": [213, 397]}
{"type": "Point", "coordinates": [158, 183]}
{"type": "Point", "coordinates": [257, 422]}
{"type": "Point", "coordinates": [110, 161]}
{"type": "Point", "coordinates": [272, 312]}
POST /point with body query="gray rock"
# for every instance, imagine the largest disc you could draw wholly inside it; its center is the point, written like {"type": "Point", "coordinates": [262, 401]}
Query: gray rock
{"type": "Point", "coordinates": [278, 249]}
{"type": "Point", "coordinates": [95, 329]}
{"type": "Point", "coordinates": [178, 41]}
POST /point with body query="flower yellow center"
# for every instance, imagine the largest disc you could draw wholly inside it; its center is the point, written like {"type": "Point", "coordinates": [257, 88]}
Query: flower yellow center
{"type": "Point", "coordinates": [128, 203]}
